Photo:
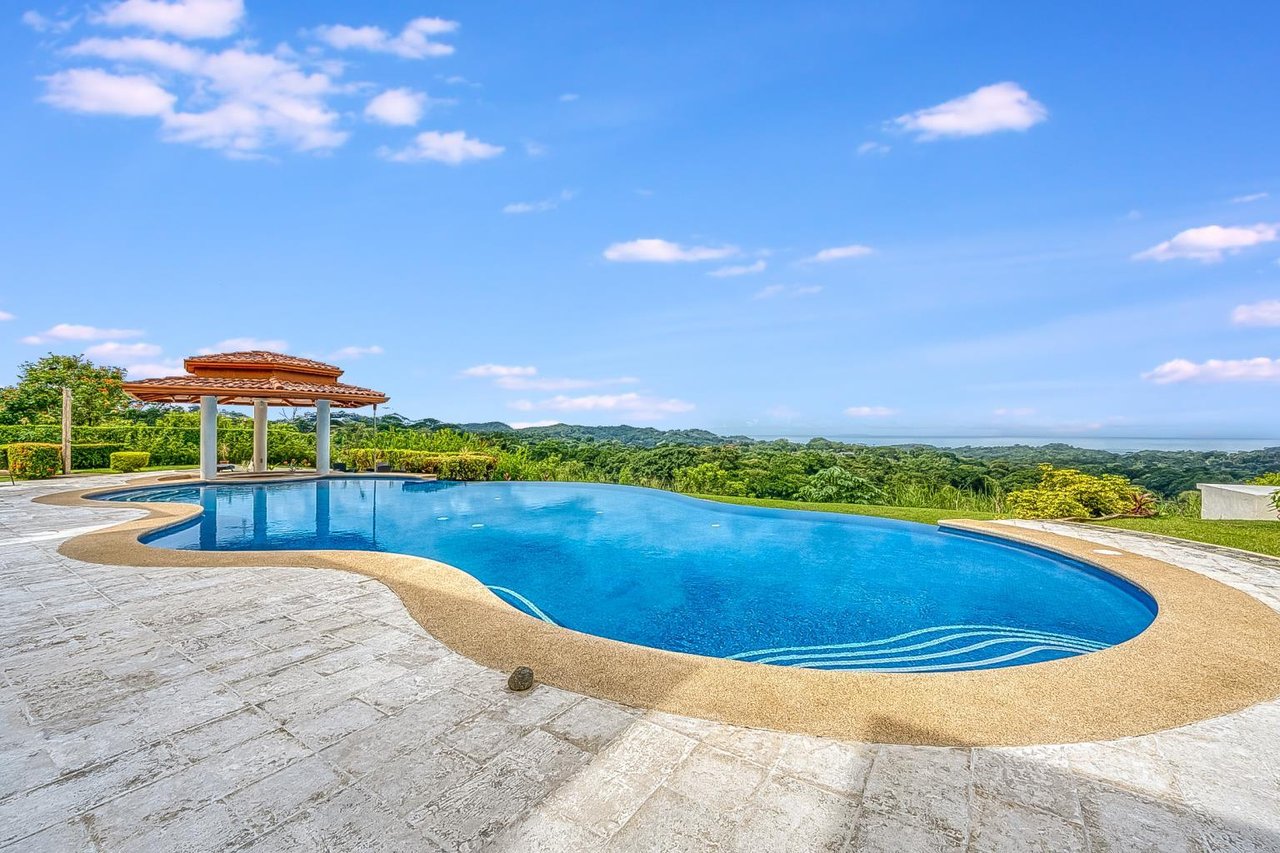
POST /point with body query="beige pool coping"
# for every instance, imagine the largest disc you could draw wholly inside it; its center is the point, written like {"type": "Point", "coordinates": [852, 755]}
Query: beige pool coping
{"type": "Point", "coordinates": [1211, 650]}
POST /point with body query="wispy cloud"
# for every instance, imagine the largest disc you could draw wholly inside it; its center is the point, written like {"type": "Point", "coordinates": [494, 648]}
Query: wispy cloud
{"type": "Point", "coordinates": [743, 269]}
{"type": "Point", "coordinates": [1265, 313]}
{"type": "Point", "coordinates": [527, 424]}
{"type": "Point", "coordinates": [870, 411]}
{"type": "Point", "coordinates": [773, 291]}
{"type": "Point", "coordinates": [541, 206]}
{"type": "Point", "coordinates": [1251, 197]}
{"type": "Point", "coordinates": [872, 147]}
{"type": "Point", "coordinates": [89, 90]}
{"type": "Point", "coordinates": [236, 101]}
{"type": "Point", "coordinates": [76, 332]}
{"type": "Point", "coordinates": [568, 97]}
{"type": "Point", "coordinates": [152, 369]}
{"type": "Point", "coordinates": [839, 253]}
{"type": "Point", "coordinates": [245, 344]}
{"type": "Point", "coordinates": [117, 350]}
{"type": "Point", "coordinates": [991, 109]}
{"type": "Point", "coordinates": [493, 370]}
{"type": "Point", "coordinates": [354, 352]}
{"type": "Point", "coordinates": [451, 149]}
{"type": "Point", "coordinates": [5, 315]}
{"type": "Point", "coordinates": [549, 383]}
{"type": "Point", "coordinates": [1210, 243]}
{"type": "Point", "coordinates": [188, 19]}
{"type": "Point", "coordinates": [1260, 369]}
{"type": "Point", "coordinates": [654, 250]}
{"type": "Point", "coordinates": [42, 24]}
{"type": "Point", "coordinates": [1014, 412]}
{"type": "Point", "coordinates": [415, 41]}
{"type": "Point", "coordinates": [642, 407]}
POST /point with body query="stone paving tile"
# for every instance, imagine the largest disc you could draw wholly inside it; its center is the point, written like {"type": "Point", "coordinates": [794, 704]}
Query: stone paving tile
{"type": "Point", "coordinates": [298, 709]}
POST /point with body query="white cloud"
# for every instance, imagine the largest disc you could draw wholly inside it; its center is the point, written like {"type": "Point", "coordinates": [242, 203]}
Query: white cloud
{"type": "Point", "coordinates": [5, 315]}
{"type": "Point", "coordinates": [165, 54]}
{"type": "Point", "coordinates": [242, 344]}
{"type": "Point", "coordinates": [189, 19]}
{"type": "Point", "coordinates": [540, 383]}
{"type": "Point", "coordinates": [872, 147]}
{"type": "Point", "coordinates": [115, 349]}
{"type": "Point", "coordinates": [634, 405]}
{"type": "Point", "coordinates": [1014, 412]}
{"type": "Point", "coordinates": [1251, 197]}
{"type": "Point", "coordinates": [567, 97]}
{"type": "Point", "coordinates": [839, 253]}
{"type": "Point", "coordinates": [652, 250]}
{"type": "Point", "coordinates": [533, 148]}
{"type": "Point", "coordinates": [42, 24]}
{"type": "Point", "coordinates": [1216, 370]}
{"type": "Point", "coordinates": [354, 352]}
{"type": "Point", "coordinates": [1265, 313]}
{"type": "Point", "coordinates": [1000, 106]}
{"type": "Point", "coordinates": [493, 370]}
{"type": "Point", "coordinates": [743, 269]}
{"type": "Point", "coordinates": [451, 148]}
{"type": "Point", "coordinates": [774, 290]}
{"type": "Point", "coordinates": [413, 42]}
{"type": "Point", "coordinates": [527, 424]}
{"type": "Point", "coordinates": [75, 332]}
{"type": "Point", "coordinates": [542, 206]}
{"type": "Point", "coordinates": [89, 90]}
{"type": "Point", "coordinates": [397, 107]}
{"type": "Point", "coordinates": [150, 370]}
{"type": "Point", "coordinates": [257, 99]}
{"type": "Point", "coordinates": [870, 411]}
{"type": "Point", "coordinates": [1211, 242]}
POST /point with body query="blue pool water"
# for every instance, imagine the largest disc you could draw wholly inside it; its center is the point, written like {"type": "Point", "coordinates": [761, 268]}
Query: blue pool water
{"type": "Point", "coordinates": [671, 572]}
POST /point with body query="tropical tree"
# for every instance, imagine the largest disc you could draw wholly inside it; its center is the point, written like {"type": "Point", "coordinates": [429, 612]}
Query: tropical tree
{"type": "Point", "coordinates": [36, 398]}
{"type": "Point", "coordinates": [836, 485]}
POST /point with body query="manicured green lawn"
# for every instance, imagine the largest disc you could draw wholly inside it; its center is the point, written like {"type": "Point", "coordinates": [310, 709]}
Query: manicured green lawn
{"type": "Point", "coordinates": [1262, 537]}
{"type": "Point", "coordinates": [144, 470]}
{"type": "Point", "coordinates": [904, 513]}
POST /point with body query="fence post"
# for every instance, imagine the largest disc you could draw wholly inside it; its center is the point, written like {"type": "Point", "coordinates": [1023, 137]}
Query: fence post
{"type": "Point", "coordinates": [66, 430]}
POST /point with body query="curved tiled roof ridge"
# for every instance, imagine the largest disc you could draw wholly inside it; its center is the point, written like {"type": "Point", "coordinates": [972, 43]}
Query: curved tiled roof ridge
{"type": "Point", "coordinates": [263, 358]}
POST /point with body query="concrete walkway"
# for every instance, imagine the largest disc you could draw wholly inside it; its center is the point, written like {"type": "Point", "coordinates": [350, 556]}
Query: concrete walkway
{"type": "Point", "coordinates": [304, 710]}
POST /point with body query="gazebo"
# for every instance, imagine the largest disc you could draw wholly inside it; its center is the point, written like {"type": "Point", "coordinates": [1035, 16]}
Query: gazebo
{"type": "Point", "coordinates": [259, 379]}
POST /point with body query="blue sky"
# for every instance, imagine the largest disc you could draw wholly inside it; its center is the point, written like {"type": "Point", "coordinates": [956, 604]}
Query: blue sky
{"type": "Point", "coordinates": [874, 218]}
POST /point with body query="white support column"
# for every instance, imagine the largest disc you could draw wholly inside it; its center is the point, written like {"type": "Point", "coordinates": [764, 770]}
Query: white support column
{"type": "Point", "coordinates": [260, 436]}
{"type": "Point", "coordinates": [322, 437]}
{"type": "Point", "coordinates": [208, 438]}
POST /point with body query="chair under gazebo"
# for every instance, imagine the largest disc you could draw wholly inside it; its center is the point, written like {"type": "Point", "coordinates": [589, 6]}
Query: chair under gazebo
{"type": "Point", "coordinates": [259, 379]}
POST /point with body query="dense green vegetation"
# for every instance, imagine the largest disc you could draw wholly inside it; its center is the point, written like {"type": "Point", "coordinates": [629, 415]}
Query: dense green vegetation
{"type": "Point", "coordinates": [966, 481]}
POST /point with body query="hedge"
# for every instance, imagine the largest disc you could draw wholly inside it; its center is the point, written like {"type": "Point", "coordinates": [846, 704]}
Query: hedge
{"type": "Point", "coordinates": [127, 461]}
{"type": "Point", "coordinates": [448, 466]}
{"type": "Point", "coordinates": [84, 456]}
{"type": "Point", "coordinates": [33, 460]}
{"type": "Point", "coordinates": [176, 445]}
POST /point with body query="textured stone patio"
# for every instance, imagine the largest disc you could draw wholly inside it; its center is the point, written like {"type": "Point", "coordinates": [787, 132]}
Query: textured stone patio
{"type": "Point", "coordinates": [300, 709]}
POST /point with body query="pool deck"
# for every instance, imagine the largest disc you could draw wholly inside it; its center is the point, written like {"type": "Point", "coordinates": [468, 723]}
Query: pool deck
{"type": "Point", "coordinates": [299, 708]}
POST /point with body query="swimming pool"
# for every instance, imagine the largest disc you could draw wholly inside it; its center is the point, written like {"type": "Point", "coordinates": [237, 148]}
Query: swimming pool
{"type": "Point", "coordinates": [780, 587]}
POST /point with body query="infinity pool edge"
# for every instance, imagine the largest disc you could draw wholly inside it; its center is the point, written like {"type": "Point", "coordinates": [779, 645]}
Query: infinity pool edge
{"type": "Point", "coordinates": [1205, 654]}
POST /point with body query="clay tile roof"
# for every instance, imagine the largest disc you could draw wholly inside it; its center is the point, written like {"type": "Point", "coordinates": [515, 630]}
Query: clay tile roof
{"type": "Point", "coordinates": [231, 391]}
{"type": "Point", "coordinates": [263, 358]}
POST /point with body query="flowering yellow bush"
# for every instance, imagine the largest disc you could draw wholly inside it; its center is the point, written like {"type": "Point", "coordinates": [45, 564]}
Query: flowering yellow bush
{"type": "Point", "coordinates": [1068, 493]}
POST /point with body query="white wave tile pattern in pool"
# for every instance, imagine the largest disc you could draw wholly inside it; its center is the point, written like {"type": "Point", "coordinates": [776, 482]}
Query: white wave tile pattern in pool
{"type": "Point", "coordinates": [942, 647]}
{"type": "Point", "coordinates": [529, 607]}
